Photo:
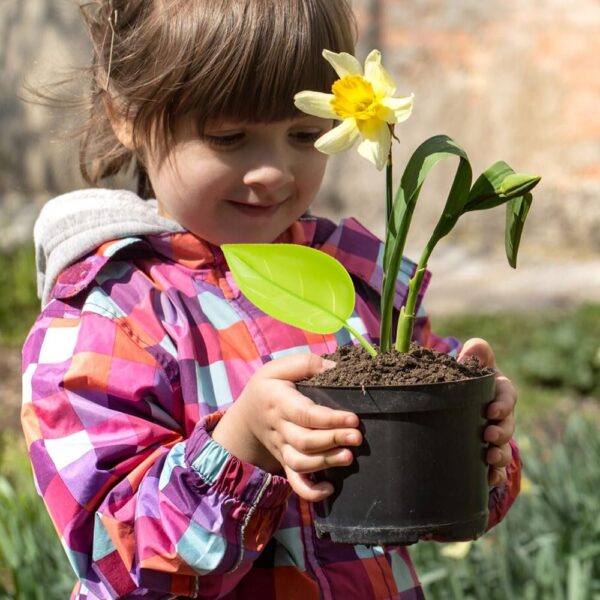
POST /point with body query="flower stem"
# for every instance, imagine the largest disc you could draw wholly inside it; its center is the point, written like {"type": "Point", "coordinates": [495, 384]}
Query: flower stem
{"type": "Point", "coordinates": [388, 188]}
{"type": "Point", "coordinates": [407, 318]}
{"type": "Point", "coordinates": [385, 332]}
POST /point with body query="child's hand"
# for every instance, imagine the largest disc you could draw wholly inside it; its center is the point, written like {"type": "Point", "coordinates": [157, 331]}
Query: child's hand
{"type": "Point", "coordinates": [273, 425]}
{"type": "Point", "coordinates": [500, 413]}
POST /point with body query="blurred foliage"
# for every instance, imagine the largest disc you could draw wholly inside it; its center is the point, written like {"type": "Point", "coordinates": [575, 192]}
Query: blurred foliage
{"type": "Point", "coordinates": [548, 547]}
{"type": "Point", "coordinates": [548, 354]}
{"type": "Point", "coordinates": [567, 354]}
{"type": "Point", "coordinates": [19, 305]}
{"type": "Point", "coordinates": [33, 565]}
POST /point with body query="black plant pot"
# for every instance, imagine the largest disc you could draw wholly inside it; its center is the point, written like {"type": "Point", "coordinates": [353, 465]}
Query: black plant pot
{"type": "Point", "coordinates": [420, 471]}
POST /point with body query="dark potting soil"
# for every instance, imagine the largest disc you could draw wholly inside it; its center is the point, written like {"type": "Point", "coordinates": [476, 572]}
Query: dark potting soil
{"type": "Point", "coordinates": [355, 367]}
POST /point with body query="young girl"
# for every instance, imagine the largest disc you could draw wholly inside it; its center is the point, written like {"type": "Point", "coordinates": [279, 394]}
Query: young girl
{"type": "Point", "coordinates": [168, 440]}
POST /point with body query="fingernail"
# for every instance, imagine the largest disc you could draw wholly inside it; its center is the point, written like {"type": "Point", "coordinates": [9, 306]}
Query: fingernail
{"type": "Point", "coordinates": [328, 364]}
{"type": "Point", "coordinates": [350, 421]}
{"type": "Point", "coordinates": [351, 438]}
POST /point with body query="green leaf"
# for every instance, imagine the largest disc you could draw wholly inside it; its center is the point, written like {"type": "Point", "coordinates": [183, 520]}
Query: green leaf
{"type": "Point", "coordinates": [455, 203]}
{"type": "Point", "coordinates": [517, 210]}
{"type": "Point", "coordinates": [497, 185]}
{"type": "Point", "coordinates": [300, 286]}
{"type": "Point", "coordinates": [425, 157]}
{"type": "Point", "coordinates": [485, 191]}
{"type": "Point", "coordinates": [518, 184]}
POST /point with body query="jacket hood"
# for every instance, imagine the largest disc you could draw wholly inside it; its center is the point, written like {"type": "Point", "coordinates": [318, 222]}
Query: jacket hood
{"type": "Point", "coordinates": [72, 225]}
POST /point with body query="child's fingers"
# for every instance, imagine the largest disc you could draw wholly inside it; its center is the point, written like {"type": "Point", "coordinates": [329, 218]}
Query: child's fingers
{"type": "Point", "coordinates": [310, 463]}
{"type": "Point", "coordinates": [295, 367]}
{"type": "Point", "coordinates": [302, 411]}
{"type": "Point", "coordinates": [504, 401]}
{"type": "Point", "coordinates": [497, 476]}
{"type": "Point", "coordinates": [309, 441]}
{"type": "Point", "coordinates": [499, 456]}
{"type": "Point", "coordinates": [479, 348]}
{"type": "Point", "coordinates": [500, 433]}
{"type": "Point", "coordinates": [306, 488]}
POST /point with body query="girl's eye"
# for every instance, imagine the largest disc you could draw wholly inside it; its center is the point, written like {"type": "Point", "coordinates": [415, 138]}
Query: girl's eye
{"type": "Point", "coordinates": [225, 140]}
{"type": "Point", "coordinates": [308, 137]}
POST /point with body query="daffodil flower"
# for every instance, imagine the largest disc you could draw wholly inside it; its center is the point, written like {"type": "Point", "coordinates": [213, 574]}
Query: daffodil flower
{"type": "Point", "coordinates": [364, 102]}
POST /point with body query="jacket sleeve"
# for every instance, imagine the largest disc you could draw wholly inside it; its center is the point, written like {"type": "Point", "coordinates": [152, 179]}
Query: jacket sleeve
{"type": "Point", "coordinates": [136, 502]}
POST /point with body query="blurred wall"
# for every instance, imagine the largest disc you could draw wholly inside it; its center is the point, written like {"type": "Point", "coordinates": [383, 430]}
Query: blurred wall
{"type": "Point", "coordinates": [518, 81]}
{"type": "Point", "coordinates": [38, 40]}
{"type": "Point", "coordinates": [509, 80]}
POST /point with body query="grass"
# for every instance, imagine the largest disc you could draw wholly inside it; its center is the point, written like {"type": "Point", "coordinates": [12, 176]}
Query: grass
{"type": "Point", "coordinates": [548, 355]}
{"type": "Point", "coordinates": [33, 565]}
{"type": "Point", "coordinates": [19, 305]}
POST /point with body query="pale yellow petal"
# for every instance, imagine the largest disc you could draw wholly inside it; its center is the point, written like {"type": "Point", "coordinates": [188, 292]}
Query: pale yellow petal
{"type": "Point", "coordinates": [339, 139]}
{"type": "Point", "coordinates": [317, 104]}
{"type": "Point", "coordinates": [526, 485]}
{"type": "Point", "coordinates": [375, 146]}
{"type": "Point", "coordinates": [386, 114]}
{"type": "Point", "coordinates": [456, 550]}
{"type": "Point", "coordinates": [380, 79]}
{"type": "Point", "coordinates": [400, 108]}
{"type": "Point", "coordinates": [373, 57]}
{"type": "Point", "coordinates": [343, 63]}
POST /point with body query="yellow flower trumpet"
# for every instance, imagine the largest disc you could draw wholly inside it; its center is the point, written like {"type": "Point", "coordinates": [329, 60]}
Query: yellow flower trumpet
{"type": "Point", "coordinates": [364, 102]}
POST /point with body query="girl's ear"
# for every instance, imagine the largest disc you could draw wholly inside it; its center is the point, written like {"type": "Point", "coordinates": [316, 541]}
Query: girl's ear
{"type": "Point", "coordinates": [122, 127]}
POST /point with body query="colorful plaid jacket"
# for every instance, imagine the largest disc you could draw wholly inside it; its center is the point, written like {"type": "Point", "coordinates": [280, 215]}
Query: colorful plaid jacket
{"type": "Point", "coordinates": [127, 370]}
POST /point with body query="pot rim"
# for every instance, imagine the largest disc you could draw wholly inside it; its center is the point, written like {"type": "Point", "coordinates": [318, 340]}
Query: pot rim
{"type": "Point", "coordinates": [411, 386]}
{"type": "Point", "coordinates": [422, 397]}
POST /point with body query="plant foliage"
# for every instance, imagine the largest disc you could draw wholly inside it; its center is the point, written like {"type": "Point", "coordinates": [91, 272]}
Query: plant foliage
{"type": "Point", "coordinates": [19, 305]}
{"type": "Point", "coordinates": [33, 565]}
{"type": "Point", "coordinates": [543, 352]}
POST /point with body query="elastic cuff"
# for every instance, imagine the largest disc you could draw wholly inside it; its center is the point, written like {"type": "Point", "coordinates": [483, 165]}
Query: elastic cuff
{"type": "Point", "coordinates": [228, 474]}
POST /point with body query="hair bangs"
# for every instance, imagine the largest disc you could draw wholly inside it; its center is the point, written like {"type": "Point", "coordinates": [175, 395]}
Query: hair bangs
{"type": "Point", "coordinates": [250, 58]}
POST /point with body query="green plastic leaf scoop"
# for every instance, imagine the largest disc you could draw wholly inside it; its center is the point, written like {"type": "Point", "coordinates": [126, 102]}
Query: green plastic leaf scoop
{"type": "Point", "coordinates": [300, 286]}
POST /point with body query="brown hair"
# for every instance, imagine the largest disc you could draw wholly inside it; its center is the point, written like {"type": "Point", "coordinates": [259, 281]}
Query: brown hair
{"type": "Point", "coordinates": [155, 61]}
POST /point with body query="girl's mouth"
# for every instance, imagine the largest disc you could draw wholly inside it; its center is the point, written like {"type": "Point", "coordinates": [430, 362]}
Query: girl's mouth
{"type": "Point", "coordinates": [255, 210]}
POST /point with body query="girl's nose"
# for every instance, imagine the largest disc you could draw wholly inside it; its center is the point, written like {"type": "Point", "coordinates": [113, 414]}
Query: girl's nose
{"type": "Point", "coordinates": [269, 177]}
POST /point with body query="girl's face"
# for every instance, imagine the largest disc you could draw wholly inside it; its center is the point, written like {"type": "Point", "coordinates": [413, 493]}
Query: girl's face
{"type": "Point", "coordinates": [240, 182]}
